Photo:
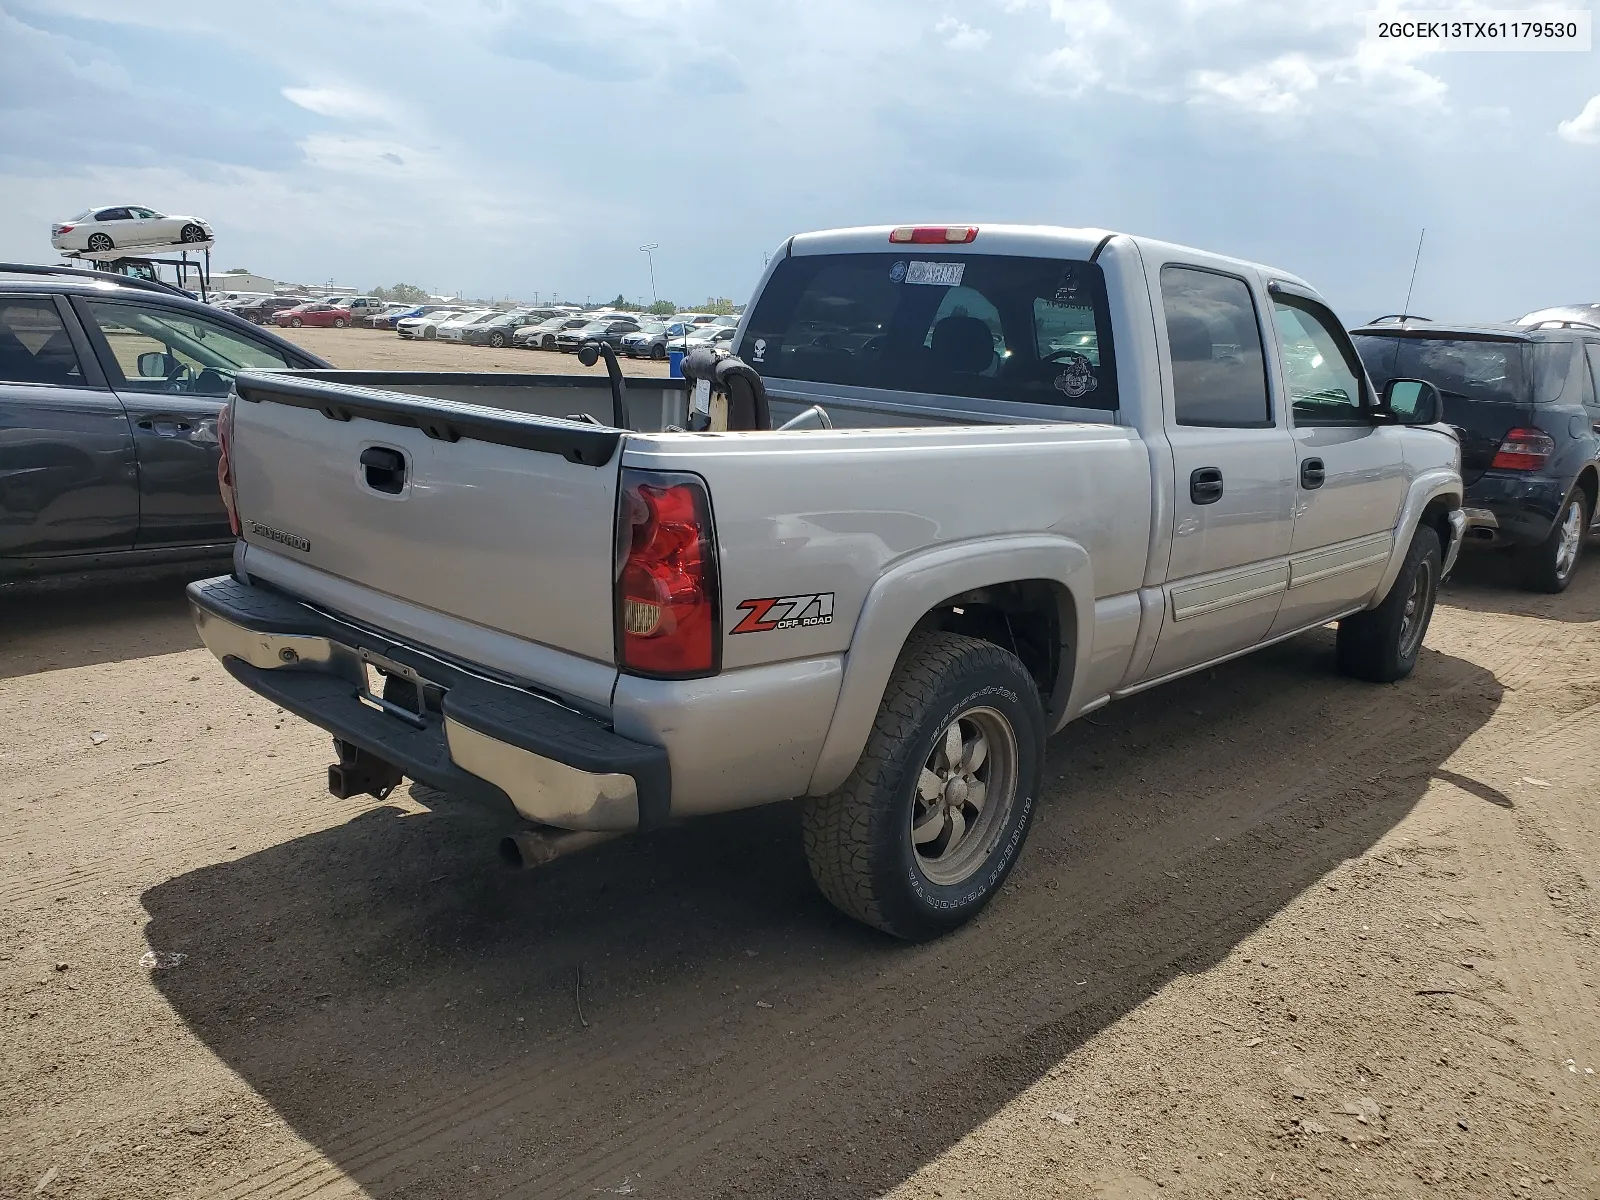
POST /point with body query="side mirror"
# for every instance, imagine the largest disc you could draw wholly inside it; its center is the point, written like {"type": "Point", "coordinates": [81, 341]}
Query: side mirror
{"type": "Point", "coordinates": [1412, 402]}
{"type": "Point", "coordinates": [154, 364]}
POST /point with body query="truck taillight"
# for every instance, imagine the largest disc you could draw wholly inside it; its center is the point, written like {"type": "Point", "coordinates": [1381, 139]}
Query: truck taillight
{"type": "Point", "coordinates": [230, 494]}
{"type": "Point", "coordinates": [666, 580]}
{"type": "Point", "coordinates": [1524, 450]}
{"type": "Point", "coordinates": [935, 234]}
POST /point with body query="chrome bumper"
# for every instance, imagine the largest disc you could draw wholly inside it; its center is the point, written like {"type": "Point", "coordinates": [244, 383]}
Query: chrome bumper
{"type": "Point", "coordinates": [1458, 530]}
{"type": "Point", "coordinates": [550, 762]}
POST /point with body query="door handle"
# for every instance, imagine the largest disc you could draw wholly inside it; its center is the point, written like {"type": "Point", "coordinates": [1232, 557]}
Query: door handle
{"type": "Point", "coordinates": [1312, 473]}
{"type": "Point", "coordinates": [1205, 485]}
{"type": "Point", "coordinates": [163, 426]}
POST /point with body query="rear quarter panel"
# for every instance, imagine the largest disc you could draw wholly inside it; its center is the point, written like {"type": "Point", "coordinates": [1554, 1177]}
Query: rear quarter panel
{"type": "Point", "coordinates": [827, 512]}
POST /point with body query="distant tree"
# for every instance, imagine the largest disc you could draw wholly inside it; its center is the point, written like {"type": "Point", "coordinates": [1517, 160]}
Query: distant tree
{"type": "Point", "coordinates": [663, 308]}
{"type": "Point", "coordinates": [238, 271]}
{"type": "Point", "coordinates": [720, 305]}
{"type": "Point", "coordinates": [401, 293]}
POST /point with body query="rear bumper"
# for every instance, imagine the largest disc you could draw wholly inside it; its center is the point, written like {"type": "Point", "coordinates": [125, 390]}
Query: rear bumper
{"type": "Point", "coordinates": [1505, 509]}
{"type": "Point", "coordinates": [476, 737]}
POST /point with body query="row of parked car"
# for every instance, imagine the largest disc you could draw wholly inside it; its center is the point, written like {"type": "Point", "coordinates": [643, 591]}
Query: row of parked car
{"type": "Point", "coordinates": [552, 327]}
{"type": "Point", "coordinates": [564, 329]}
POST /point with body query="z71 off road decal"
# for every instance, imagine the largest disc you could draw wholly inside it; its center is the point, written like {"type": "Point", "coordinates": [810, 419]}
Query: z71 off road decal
{"type": "Point", "coordinates": [785, 612]}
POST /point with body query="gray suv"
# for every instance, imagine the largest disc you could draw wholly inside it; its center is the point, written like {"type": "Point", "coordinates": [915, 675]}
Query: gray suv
{"type": "Point", "coordinates": [109, 393]}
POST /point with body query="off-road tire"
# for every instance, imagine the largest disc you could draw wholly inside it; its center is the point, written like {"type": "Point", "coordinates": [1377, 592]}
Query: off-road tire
{"type": "Point", "coordinates": [858, 837]}
{"type": "Point", "coordinates": [1379, 645]}
{"type": "Point", "coordinates": [1541, 564]}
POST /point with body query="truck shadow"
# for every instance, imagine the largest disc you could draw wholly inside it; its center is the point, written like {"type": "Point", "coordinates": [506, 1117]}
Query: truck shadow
{"type": "Point", "coordinates": [682, 1015]}
{"type": "Point", "coordinates": [51, 628]}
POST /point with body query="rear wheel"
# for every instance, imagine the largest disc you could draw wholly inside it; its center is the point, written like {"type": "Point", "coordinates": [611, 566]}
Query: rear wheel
{"type": "Point", "coordinates": [924, 831]}
{"type": "Point", "coordinates": [1549, 566]}
{"type": "Point", "coordinates": [339, 322]}
{"type": "Point", "coordinates": [1382, 644]}
{"type": "Point", "coordinates": [99, 241]}
{"type": "Point", "coordinates": [192, 233]}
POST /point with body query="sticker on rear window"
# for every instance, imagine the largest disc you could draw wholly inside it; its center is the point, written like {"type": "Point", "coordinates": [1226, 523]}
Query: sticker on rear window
{"type": "Point", "coordinates": [940, 274]}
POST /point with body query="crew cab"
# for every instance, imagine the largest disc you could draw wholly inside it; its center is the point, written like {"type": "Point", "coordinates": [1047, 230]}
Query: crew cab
{"type": "Point", "coordinates": [961, 486]}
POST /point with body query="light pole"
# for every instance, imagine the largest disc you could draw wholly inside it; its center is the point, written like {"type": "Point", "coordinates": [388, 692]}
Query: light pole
{"type": "Point", "coordinates": [651, 259]}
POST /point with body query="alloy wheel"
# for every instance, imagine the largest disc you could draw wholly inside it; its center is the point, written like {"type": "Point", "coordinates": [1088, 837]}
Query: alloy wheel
{"type": "Point", "coordinates": [1413, 617]}
{"type": "Point", "coordinates": [965, 792]}
{"type": "Point", "coordinates": [1571, 538]}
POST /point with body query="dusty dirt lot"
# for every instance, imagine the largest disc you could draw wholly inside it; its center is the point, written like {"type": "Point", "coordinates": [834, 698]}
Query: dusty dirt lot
{"type": "Point", "coordinates": [376, 350]}
{"type": "Point", "coordinates": [1275, 934]}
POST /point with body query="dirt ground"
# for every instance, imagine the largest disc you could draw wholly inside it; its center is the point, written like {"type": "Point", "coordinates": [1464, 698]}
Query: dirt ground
{"type": "Point", "coordinates": [1275, 934]}
{"type": "Point", "coordinates": [378, 350]}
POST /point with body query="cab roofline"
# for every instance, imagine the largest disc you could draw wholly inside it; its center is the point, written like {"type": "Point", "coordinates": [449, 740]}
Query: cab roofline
{"type": "Point", "coordinates": [1044, 241]}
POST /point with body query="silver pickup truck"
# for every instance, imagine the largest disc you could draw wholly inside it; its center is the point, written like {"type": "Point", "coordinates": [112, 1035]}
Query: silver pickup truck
{"type": "Point", "coordinates": [992, 479]}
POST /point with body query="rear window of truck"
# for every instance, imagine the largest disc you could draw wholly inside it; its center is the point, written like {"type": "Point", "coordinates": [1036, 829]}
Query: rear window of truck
{"type": "Point", "coordinates": [1026, 330]}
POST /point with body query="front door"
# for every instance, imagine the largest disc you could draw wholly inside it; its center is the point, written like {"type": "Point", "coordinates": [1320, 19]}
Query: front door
{"type": "Point", "coordinates": [68, 480]}
{"type": "Point", "coordinates": [1350, 473]}
{"type": "Point", "coordinates": [1233, 461]}
{"type": "Point", "coordinates": [173, 370]}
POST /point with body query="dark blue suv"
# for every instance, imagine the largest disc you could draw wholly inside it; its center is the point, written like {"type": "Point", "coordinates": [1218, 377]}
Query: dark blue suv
{"type": "Point", "coordinates": [1525, 401]}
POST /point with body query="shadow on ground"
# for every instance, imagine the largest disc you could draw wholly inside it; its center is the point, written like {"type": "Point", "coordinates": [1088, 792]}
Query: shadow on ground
{"type": "Point", "coordinates": [53, 627]}
{"type": "Point", "coordinates": [1490, 581]}
{"type": "Point", "coordinates": [413, 1010]}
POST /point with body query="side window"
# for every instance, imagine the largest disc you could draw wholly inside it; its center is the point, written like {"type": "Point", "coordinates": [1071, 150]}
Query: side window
{"type": "Point", "coordinates": [1321, 370]}
{"type": "Point", "coordinates": [1063, 327]}
{"type": "Point", "coordinates": [111, 214]}
{"type": "Point", "coordinates": [34, 346]}
{"type": "Point", "coordinates": [1219, 373]}
{"type": "Point", "coordinates": [166, 350]}
{"type": "Point", "coordinates": [1591, 351]}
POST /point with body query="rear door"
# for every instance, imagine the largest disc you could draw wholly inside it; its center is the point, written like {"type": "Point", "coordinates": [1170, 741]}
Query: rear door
{"type": "Point", "coordinates": [172, 370]}
{"type": "Point", "coordinates": [1350, 472]}
{"type": "Point", "coordinates": [1484, 381]}
{"type": "Point", "coordinates": [1233, 461]}
{"type": "Point", "coordinates": [69, 483]}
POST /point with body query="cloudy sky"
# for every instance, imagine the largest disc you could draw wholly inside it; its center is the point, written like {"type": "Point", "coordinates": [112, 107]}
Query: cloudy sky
{"type": "Point", "coordinates": [503, 147]}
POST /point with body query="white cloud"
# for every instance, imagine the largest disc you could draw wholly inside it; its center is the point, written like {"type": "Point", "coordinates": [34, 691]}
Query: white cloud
{"type": "Point", "coordinates": [1273, 88]}
{"type": "Point", "coordinates": [340, 100]}
{"type": "Point", "coordinates": [1585, 127]}
{"type": "Point", "coordinates": [958, 35]}
{"type": "Point", "coordinates": [1274, 58]}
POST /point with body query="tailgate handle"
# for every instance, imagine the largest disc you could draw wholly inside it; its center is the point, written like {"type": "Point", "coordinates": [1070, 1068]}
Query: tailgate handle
{"type": "Point", "coordinates": [384, 470]}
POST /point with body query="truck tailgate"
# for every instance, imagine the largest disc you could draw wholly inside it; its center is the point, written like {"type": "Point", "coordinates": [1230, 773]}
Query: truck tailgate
{"type": "Point", "coordinates": [501, 519]}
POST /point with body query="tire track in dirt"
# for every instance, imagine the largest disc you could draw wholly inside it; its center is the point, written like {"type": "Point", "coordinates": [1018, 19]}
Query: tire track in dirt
{"type": "Point", "coordinates": [387, 1156]}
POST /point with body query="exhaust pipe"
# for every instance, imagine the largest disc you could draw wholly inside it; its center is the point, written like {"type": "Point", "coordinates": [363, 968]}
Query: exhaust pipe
{"type": "Point", "coordinates": [544, 844]}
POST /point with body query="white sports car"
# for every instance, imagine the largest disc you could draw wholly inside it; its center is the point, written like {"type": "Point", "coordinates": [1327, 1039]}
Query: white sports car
{"type": "Point", "coordinates": [123, 226]}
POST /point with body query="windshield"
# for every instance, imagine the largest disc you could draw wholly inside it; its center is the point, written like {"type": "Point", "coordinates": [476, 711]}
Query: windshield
{"type": "Point", "coordinates": [1473, 368]}
{"type": "Point", "coordinates": [1029, 330]}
